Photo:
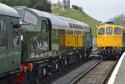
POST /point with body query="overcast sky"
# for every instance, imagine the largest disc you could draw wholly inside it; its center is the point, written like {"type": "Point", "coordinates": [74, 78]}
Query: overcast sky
{"type": "Point", "coordinates": [102, 10]}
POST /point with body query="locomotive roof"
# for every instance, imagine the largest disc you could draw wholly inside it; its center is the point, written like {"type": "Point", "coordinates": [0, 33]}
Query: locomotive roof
{"type": "Point", "coordinates": [57, 20]}
{"type": "Point", "coordinates": [6, 10]}
{"type": "Point", "coordinates": [108, 25]}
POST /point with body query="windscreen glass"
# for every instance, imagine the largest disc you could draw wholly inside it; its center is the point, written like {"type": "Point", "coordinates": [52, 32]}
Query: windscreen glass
{"type": "Point", "coordinates": [117, 31]}
{"type": "Point", "coordinates": [30, 18]}
{"type": "Point", "coordinates": [101, 31]}
{"type": "Point", "coordinates": [109, 30]}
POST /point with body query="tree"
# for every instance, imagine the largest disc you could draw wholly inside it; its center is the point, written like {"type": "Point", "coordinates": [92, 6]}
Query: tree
{"type": "Point", "coordinates": [120, 19]}
{"type": "Point", "coordinates": [43, 5]}
{"type": "Point", "coordinates": [16, 2]}
{"type": "Point", "coordinates": [77, 8]}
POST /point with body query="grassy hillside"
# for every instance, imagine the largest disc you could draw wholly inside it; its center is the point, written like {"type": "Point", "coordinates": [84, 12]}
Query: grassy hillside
{"type": "Point", "coordinates": [78, 15]}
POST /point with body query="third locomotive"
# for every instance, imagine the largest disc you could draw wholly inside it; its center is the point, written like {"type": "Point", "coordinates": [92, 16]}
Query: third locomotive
{"type": "Point", "coordinates": [110, 40]}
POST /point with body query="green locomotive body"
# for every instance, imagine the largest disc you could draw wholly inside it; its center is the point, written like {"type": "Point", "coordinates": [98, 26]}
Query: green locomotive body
{"type": "Point", "coordinates": [44, 44]}
{"type": "Point", "coordinates": [41, 28]}
{"type": "Point", "coordinates": [10, 47]}
{"type": "Point", "coordinates": [51, 42]}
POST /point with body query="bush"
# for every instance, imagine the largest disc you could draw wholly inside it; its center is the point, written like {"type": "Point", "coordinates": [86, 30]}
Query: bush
{"type": "Point", "coordinates": [77, 8]}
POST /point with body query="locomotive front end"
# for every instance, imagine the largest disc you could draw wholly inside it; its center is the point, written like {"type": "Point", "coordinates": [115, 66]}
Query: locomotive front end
{"type": "Point", "coordinates": [110, 40]}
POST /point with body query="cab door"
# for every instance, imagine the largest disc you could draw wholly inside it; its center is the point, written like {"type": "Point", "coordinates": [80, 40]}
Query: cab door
{"type": "Point", "coordinates": [5, 59]}
{"type": "Point", "coordinates": [16, 46]}
{"type": "Point", "coordinates": [13, 45]}
{"type": "Point", "coordinates": [46, 33]}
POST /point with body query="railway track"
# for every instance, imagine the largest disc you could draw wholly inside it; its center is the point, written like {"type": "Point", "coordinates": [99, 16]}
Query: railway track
{"type": "Point", "coordinates": [97, 74]}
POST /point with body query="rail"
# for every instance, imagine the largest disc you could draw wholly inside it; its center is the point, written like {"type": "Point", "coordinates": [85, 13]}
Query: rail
{"type": "Point", "coordinates": [98, 73]}
{"type": "Point", "coordinates": [82, 75]}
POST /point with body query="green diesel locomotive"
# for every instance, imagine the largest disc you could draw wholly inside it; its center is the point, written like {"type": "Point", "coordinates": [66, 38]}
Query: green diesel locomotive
{"type": "Point", "coordinates": [10, 48]}
{"type": "Point", "coordinates": [51, 42]}
{"type": "Point", "coordinates": [43, 44]}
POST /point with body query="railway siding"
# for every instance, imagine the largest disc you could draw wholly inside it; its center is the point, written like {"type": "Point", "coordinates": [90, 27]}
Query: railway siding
{"type": "Point", "coordinates": [98, 74]}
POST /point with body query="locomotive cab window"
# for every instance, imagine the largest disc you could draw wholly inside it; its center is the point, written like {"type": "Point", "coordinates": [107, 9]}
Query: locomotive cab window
{"type": "Point", "coordinates": [30, 18]}
{"type": "Point", "coordinates": [16, 35]}
{"type": "Point", "coordinates": [101, 31]}
{"type": "Point", "coordinates": [117, 31]}
{"type": "Point", "coordinates": [109, 31]}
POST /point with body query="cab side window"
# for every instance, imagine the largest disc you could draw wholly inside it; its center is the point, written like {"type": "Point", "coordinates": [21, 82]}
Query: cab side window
{"type": "Point", "coordinates": [3, 39]}
{"type": "Point", "coordinates": [44, 26]}
{"type": "Point", "coordinates": [44, 42]}
{"type": "Point", "coordinates": [16, 35]}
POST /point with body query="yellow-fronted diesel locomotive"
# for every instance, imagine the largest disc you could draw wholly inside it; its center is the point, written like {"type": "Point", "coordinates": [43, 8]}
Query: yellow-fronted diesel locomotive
{"type": "Point", "coordinates": [110, 40]}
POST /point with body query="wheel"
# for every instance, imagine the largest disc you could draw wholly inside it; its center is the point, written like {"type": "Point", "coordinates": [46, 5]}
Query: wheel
{"type": "Point", "coordinates": [66, 62]}
{"type": "Point", "coordinates": [117, 57]}
{"type": "Point", "coordinates": [87, 53]}
{"type": "Point", "coordinates": [30, 79]}
{"type": "Point", "coordinates": [80, 56]}
{"type": "Point", "coordinates": [56, 66]}
{"type": "Point", "coordinates": [35, 81]}
{"type": "Point", "coordinates": [44, 72]}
